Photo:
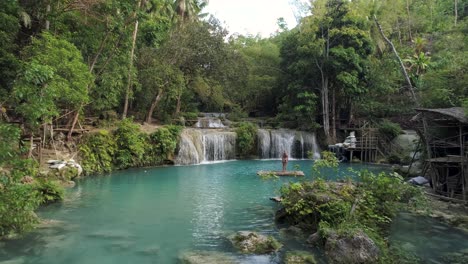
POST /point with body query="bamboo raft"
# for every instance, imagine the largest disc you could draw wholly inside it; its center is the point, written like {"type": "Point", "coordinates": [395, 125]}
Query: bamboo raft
{"type": "Point", "coordinates": [282, 173]}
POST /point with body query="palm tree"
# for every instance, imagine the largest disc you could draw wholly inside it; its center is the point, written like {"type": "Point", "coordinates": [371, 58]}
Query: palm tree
{"type": "Point", "coordinates": [188, 10]}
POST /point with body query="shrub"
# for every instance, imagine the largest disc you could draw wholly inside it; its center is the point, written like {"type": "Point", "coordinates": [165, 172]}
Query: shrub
{"type": "Point", "coordinates": [389, 130]}
{"type": "Point", "coordinates": [48, 191]}
{"type": "Point", "coordinates": [97, 152]}
{"type": "Point", "coordinates": [346, 207]}
{"type": "Point", "coordinates": [236, 114]}
{"type": "Point", "coordinates": [161, 145]}
{"type": "Point", "coordinates": [17, 204]}
{"type": "Point", "coordinates": [246, 135]}
{"type": "Point", "coordinates": [130, 144]}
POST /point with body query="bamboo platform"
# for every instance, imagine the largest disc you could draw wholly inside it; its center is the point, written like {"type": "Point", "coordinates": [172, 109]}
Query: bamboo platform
{"type": "Point", "coordinates": [282, 173]}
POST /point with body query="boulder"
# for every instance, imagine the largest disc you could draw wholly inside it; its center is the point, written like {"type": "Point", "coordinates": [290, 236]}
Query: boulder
{"type": "Point", "coordinates": [292, 231]}
{"type": "Point", "coordinates": [350, 249]}
{"type": "Point", "coordinates": [299, 257]}
{"type": "Point", "coordinates": [205, 257]}
{"type": "Point", "coordinates": [251, 242]}
{"type": "Point", "coordinates": [313, 239]}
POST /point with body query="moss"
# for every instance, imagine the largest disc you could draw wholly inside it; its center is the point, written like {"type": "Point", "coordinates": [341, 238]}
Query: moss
{"type": "Point", "coordinates": [68, 173]}
{"type": "Point", "coordinates": [251, 242]}
{"type": "Point", "coordinates": [299, 257]}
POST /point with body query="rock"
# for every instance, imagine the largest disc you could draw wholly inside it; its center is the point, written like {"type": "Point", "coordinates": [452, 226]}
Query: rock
{"type": "Point", "coordinates": [150, 251]}
{"type": "Point", "coordinates": [119, 246]}
{"type": "Point", "coordinates": [300, 257]}
{"type": "Point", "coordinates": [408, 247]}
{"type": "Point", "coordinates": [50, 223]}
{"type": "Point", "coordinates": [111, 234]}
{"type": "Point", "coordinates": [205, 257]}
{"type": "Point", "coordinates": [251, 242]}
{"type": "Point", "coordinates": [292, 231]}
{"type": "Point", "coordinates": [276, 199]}
{"type": "Point", "coordinates": [19, 260]}
{"type": "Point", "coordinates": [68, 184]}
{"type": "Point", "coordinates": [313, 239]}
{"type": "Point", "coordinates": [356, 248]}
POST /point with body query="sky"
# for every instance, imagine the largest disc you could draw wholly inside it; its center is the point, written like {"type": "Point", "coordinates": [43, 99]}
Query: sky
{"type": "Point", "coordinates": [252, 16]}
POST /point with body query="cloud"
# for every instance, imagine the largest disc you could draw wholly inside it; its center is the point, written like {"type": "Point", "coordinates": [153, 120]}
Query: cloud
{"type": "Point", "coordinates": [251, 16]}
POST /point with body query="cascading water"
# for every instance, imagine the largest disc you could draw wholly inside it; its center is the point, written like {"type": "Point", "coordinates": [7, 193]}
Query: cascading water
{"type": "Point", "coordinates": [208, 145]}
{"type": "Point", "coordinates": [264, 142]}
{"type": "Point", "coordinates": [272, 144]}
{"type": "Point", "coordinates": [219, 146]}
{"type": "Point", "coordinates": [209, 122]}
{"type": "Point", "coordinates": [190, 147]}
{"type": "Point", "coordinates": [203, 145]}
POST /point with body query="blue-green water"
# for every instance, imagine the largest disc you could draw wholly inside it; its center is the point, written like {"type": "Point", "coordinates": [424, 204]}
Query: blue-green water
{"type": "Point", "coordinates": [153, 215]}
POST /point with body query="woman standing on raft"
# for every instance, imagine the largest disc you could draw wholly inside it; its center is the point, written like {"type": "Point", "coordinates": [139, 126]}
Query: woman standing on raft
{"type": "Point", "coordinates": [284, 160]}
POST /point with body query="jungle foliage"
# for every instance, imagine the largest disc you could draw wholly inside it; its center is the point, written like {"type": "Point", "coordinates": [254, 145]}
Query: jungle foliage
{"type": "Point", "coordinates": [18, 197]}
{"type": "Point", "coordinates": [126, 146]}
{"type": "Point", "coordinates": [246, 135]}
{"type": "Point", "coordinates": [159, 59]}
{"type": "Point", "coordinates": [367, 203]}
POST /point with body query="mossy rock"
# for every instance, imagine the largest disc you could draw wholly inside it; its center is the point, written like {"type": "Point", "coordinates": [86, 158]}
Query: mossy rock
{"type": "Point", "coordinates": [351, 248]}
{"type": "Point", "coordinates": [68, 173]}
{"type": "Point", "coordinates": [251, 242]}
{"type": "Point", "coordinates": [300, 257]}
{"type": "Point", "coordinates": [205, 257]}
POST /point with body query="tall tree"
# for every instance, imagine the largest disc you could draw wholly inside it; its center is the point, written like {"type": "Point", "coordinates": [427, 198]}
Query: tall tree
{"type": "Point", "coordinates": [54, 78]}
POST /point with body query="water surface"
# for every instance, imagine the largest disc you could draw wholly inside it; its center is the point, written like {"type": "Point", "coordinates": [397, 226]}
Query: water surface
{"type": "Point", "coordinates": [153, 215]}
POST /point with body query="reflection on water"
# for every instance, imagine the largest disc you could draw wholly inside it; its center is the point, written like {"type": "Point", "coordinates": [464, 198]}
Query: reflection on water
{"type": "Point", "coordinates": [156, 215]}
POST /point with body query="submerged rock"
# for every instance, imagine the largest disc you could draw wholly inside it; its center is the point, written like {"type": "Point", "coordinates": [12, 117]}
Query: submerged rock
{"type": "Point", "coordinates": [19, 260]}
{"type": "Point", "coordinates": [206, 257]}
{"type": "Point", "coordinates": [111, 234]}
{"type": "Point", "coordinates": [350, 249]}
{"type": "Point", "coordinates": [300, 257]}
{"type": "Point", "coordinates": [251, 242]}
{"type": "Point", "coordinates": [150, 250]}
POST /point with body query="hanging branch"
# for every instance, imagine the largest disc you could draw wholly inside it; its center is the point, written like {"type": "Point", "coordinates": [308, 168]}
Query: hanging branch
{"type": "Point", "coordinates": [402, 66]}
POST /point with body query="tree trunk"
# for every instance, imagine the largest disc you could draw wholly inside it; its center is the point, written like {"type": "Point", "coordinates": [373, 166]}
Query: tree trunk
{"type": "Point", "coordinates": [75, 120]}
{"type": "Point", "coordinates": [153, 105]}
{"type": "Point", "coordinates": [456, 11]}
{"type": "Point", "coordinates": [178, 104]}
{"type": "Point", "coordinates": [132, 53]}
{"type": "Point", "coordinates": [333, 128]}
{"type": "Point", "coordinates": [325, 109]}
{"type": "Point", "coordinates": [91, 68]}
{"type": "Point", "coordinates": [47, 23]}
{"type": "Point", "coordinates": [31, 145]}
{"type": "Point", "coordinates": [402, 66]}
{"type": "Point", "coordinates": [409, 20]}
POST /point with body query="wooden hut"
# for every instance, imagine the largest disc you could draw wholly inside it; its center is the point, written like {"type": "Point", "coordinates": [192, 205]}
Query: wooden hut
{"type": "Point", "coordinates": [445, 132]}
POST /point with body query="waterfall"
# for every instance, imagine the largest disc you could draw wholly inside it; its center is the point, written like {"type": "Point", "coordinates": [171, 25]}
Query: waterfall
{"type": "Point", "coordinates": [202, 145]}
{"type": "Point", "coordinates": [264, 142]}
{"type": "Point", "coordinates": [190, 147]}
{"type": "Point", "coordinates": [208, 145]}
{"type": "Point", "coordinates": [282, 140]}
{"type": "Point", "coordinates": [209, 122]}
{"type": "Point", "coordinates": [219, 146]}
{"type": "Point", "coordinates": [272, 144]}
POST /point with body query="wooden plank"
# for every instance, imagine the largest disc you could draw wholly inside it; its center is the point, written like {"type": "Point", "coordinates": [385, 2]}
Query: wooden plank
{"type": "Point", "coordinates": [282, 173]}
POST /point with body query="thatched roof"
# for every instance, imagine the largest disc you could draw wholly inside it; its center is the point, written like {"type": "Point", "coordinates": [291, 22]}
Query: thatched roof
{"type": "Point", "coordinates": [457, 113]}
